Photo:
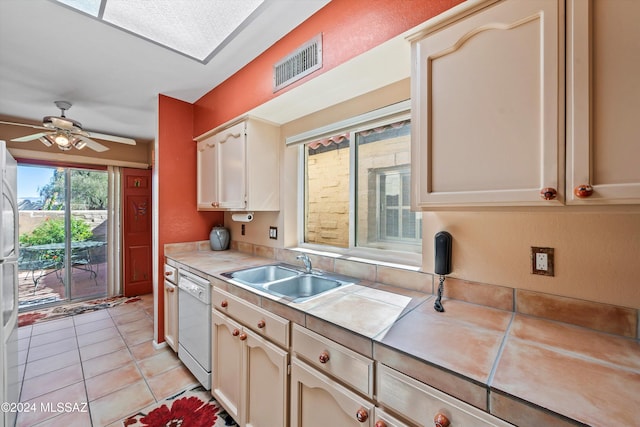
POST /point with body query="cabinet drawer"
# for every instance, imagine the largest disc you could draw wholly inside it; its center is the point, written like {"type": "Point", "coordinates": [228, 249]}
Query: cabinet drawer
{"type": "Point", "coordinates": [170, 273]}
{"type": "Point", "coordinates": [334, 359]}
{"type": "Point", "coordinates": [255, 318]}
{"type": "Point", "coordinates": [420, 403]}
{"type": "Point", "coordinates": [382, 419]}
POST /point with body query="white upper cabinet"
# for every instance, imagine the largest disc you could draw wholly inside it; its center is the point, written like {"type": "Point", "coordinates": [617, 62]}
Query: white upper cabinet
{"type": "Point", "coordinates": [489, 104]}
{"type": "Point", "coordinates": [207, 179]}
{"type": "Point", "coordinates": [488, 107]}
{"type": "Point", "coordinates": [603, 101]}
{"type": "Point", "coordinates": [238, 167]}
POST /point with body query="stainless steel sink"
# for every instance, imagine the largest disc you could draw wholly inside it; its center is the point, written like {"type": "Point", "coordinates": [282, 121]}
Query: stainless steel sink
{"type": "Point", "coordinates": [285, 281]}
{"type": "Point", "coordinates": [302, 287]}
{"type": "Point", "coordinates": [263, 274]}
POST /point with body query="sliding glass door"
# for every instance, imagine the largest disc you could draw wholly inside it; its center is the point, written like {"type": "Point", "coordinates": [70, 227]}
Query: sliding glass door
{"type": "Point", "coordinates": [63, 234]}
{"type": "Point", "coordinates": [88, 239]}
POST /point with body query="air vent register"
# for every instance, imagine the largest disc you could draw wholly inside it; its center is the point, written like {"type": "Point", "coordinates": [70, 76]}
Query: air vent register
{"type": "Point", "coordinates": [302, 62]}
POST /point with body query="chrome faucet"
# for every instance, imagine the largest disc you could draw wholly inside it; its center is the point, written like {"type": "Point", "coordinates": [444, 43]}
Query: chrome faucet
{"type": "Point", "coordinates": [307, 262]}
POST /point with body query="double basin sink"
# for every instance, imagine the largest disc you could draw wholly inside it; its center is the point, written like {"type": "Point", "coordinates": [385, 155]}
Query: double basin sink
{"type": "Point", "coordinates": [286, 281]}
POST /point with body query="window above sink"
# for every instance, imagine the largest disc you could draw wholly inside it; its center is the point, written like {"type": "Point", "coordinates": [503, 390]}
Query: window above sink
{"type": "Point", "coordinates": [356, 184]}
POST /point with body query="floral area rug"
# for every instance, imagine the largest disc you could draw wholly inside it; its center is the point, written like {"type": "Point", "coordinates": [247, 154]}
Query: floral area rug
{"type": "Point", "coordinates": [189, 408]}
{"type": "Point", "coordinates": [57, 312]}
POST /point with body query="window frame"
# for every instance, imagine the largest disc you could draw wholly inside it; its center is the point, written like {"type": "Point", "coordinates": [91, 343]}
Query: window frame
{"type": "Point", "coordinates": [380, 117]}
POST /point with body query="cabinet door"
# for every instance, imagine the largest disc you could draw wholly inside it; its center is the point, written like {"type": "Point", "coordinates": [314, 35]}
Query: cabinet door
{"type": "Point", "coordinates": [231, 163]}
{"type": "Point", "coordinates": [171, 314]}
{"type": "Point", "coordinates": [603, 101]}
{"type": "Point", "coordinates": [487, 125]}
{"type": "Point", "coordinates": [317, 401]}
{"type": "Point", "coordinates": [265, 383]}
{"type": "Point", "coordinates": [226, 362]}
{"type": "Point", "coordinates": [207, 178]}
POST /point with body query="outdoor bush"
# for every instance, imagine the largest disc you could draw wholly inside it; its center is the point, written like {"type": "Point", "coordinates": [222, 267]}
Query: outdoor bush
{"type": "Point", "coordinates": [52, 231]}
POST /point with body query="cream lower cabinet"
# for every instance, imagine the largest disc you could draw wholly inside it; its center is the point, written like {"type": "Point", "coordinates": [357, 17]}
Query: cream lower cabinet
{"type": "Point", "coordinates": [426, 406]}
{"type": "Point", "coordinates": [488, 107]}
{"type": "Point", "coordinates": [603, 102]}
{"type": "Point", "coordinates": [265, 384]}
{"type": "Point", "coordinates": [170, 307]}
{"type": "Point", "coordinates": [318, 401]}
{"type": "Point", "coordinates": [226, 363]}
{"type": "Point", "coordinates": [249, 373]}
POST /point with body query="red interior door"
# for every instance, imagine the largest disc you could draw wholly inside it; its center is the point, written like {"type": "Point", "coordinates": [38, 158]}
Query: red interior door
{"type": "Point", "coordinates": [136, 239]}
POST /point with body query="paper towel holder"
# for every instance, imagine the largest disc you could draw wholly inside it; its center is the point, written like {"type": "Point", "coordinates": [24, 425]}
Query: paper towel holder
{"type": "Point", "coordinates": [242, 216]}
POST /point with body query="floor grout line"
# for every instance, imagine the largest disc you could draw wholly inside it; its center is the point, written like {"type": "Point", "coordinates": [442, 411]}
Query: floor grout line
{"type": "Point", "coordinates": [129, 344]}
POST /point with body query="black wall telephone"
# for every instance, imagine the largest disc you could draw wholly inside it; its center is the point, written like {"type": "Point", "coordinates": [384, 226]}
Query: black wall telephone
{"type": "Point", "coordinates": [442, 263]}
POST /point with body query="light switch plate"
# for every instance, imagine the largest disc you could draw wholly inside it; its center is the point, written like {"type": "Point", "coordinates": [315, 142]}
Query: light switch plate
{"type": "Point", "coordinates": [273, 233]}
{"type": "Point", "coordinates": [542, 261]}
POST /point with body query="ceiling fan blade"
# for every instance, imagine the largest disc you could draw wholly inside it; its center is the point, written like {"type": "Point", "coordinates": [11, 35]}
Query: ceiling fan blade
{"type": "Point", "coordinates": [23, 124]}
{"type": "Point", "coordinates": [113, 138]}
{"type": "Point", "coordinates": [96, 146]}
{"type": "Point", "coordinates": [31, 137]}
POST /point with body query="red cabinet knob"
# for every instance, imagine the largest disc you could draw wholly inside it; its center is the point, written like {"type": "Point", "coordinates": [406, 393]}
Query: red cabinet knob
{"type": "Point", "coordinates": [440, 420]}
{"type": "Point", "coordinates": [324, 357]}
{"type": "Point", "coordinates": [380, 423]}
{"type": "Point", "coordinates": [224, 304]}
{"type": "Point", "coordinates": [243, 336]}
{"type": "Point", "coordinates": [235, 332]}
{"type": "Point", "coordinates": [262, 324]}
{"type": "Point", "coordinates": [548, 193]}
{"type": "Point", "coordinates": [362, 415]}
{"type": "Point", "coordinates": [583, 191]}
{"type": "Point", "coordinates": [168, 273]}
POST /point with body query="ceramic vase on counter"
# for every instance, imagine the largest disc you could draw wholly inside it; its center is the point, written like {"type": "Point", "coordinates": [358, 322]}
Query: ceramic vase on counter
{"type": "Point", "coordinates": [219, 238]}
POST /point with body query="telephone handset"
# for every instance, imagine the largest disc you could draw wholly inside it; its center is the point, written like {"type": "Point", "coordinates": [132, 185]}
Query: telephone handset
{"type": "Point", "coordinates": [442, 263]}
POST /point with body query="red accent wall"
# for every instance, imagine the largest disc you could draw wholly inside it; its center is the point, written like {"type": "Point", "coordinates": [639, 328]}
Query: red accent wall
{"type": "Point", "coordinates": [178, 219]}
{"type": "Point", "coordinates": [348, 27]}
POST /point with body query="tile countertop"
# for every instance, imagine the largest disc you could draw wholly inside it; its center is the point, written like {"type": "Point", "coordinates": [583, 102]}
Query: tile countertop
{"type": "Point", "coordinates": [523, 369]}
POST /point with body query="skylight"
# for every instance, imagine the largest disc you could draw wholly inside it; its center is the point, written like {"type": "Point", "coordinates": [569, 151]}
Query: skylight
{"type": "Point", "coordinates": [195, 28]}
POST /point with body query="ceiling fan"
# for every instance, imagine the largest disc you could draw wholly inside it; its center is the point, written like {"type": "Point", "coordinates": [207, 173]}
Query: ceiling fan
{"type": "Point", "coordinates": [67, 133]}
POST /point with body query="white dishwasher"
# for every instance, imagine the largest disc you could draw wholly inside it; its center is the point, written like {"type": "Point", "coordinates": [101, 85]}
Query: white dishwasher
{"type": "Point", "coordinates": [194, 325]}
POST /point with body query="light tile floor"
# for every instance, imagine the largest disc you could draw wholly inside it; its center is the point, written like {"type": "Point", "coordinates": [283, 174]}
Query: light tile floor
{"type": "Point", "coordinates": [95, 369]}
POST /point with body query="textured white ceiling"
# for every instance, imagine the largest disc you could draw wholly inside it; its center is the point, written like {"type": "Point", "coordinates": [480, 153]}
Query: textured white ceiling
{"type": "Point", "coordinates": [193, 27]}
{"type": "Point", "coordinates": [50, 52]}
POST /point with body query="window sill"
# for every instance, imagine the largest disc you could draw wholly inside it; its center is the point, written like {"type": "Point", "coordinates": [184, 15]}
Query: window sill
{"type": "Point", "coordinates": [400, 260]}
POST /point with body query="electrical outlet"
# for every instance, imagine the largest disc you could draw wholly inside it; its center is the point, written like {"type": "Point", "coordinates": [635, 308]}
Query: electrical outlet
{"type": "Point", "coordinates": [273, 233]}
{"type": "Point", "coordinates": [242, 230]}
{"type": "Point", "coordinates": [542, 261]}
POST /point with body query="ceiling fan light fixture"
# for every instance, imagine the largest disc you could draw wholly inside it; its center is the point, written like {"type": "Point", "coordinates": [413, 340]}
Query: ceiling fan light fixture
{"type": "Point", "coordinates": [62, 139]}
{"type": "Point", "coordinates": [67, 133]}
